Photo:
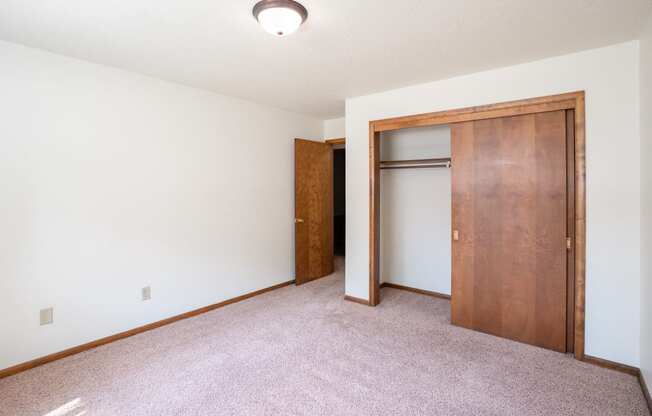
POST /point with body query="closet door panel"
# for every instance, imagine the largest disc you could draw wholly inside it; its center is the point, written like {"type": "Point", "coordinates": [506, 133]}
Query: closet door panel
{"type": "Point", "coordinates": [462, 289]}
{"type": "Point", "coordinates": [551, 231]}
{"type": "Point", "coordinates": [509, 211]}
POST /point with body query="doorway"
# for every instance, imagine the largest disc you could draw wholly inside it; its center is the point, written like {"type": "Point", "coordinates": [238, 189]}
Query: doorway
{"type": "Point", "coordinates": [339, 200]}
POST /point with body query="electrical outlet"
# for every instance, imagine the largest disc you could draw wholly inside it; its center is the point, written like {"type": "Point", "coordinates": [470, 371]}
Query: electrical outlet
{"type": "Point", "coordinates": [47, 316]}
{"type": "Point", "coordinates": [146, 293]}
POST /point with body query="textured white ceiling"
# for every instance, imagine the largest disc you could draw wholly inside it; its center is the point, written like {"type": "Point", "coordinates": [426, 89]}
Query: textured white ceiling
{"type": "Point", "coordinates": [345, 49]}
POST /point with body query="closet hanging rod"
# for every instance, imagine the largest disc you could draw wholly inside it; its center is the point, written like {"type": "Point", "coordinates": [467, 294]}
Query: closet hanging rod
{"type": "Point", "coordinates": [415, 161]}
{"type": "Point", "coordinates": [432, 165]}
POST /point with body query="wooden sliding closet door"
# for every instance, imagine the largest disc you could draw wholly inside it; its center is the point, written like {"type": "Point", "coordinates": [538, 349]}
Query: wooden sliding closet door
{"type": "Point", "coordinates": [509, 227]}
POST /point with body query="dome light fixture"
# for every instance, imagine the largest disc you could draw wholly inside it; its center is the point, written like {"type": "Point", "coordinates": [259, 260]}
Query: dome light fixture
{"type": "Point", "coordinates": [280, 17]}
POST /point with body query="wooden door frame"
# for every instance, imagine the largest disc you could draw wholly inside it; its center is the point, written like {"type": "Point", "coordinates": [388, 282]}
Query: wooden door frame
{"type": "Point", "coordinates": [335, 142]}
{"type": "Point", "coordinates": [569, 101]}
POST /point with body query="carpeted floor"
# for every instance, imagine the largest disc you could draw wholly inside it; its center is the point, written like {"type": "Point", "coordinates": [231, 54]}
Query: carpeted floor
{"type": "Point", "coordinates": [305, 351]}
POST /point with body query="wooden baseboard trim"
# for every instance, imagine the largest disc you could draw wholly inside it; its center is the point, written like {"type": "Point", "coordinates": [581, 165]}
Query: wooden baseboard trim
{"type": "Point", "coordinates": [623, 368]}
{"type": "Point", "coordinates": [646, 391]}
{"type": "Point", "coordinates": [357, 300]}
{"type": "Point", "coordinates": [415, 290]}
{"type": "Point", "coordinates": [19, 368]}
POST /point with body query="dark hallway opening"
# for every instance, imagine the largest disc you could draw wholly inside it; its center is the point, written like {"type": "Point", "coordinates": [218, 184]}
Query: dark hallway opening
{"type": "Point", "coordinates": [339, 201]}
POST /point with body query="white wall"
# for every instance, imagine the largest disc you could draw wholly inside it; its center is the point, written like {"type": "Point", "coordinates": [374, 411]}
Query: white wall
{"type": "Point", "coordinates": [646, 204]}
{"type": "Point", "coordinates": [111, 181]}
{"type": "Point", "coordinates": [610, 78]}
{"type": "Point", "coordinates": [415, 214]}
{"type": "Point", "coordinates": [334, 128]}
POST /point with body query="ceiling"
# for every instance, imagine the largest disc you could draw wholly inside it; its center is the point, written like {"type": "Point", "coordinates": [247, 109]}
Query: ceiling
{"type": "Point", "coordinates": [346, 48]}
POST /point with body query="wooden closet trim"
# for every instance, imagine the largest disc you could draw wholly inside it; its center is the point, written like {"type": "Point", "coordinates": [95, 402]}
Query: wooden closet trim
{"type": "Point", "coordinates": [569, 101]}
{"type": "Point", "coordinates": [511, 108]}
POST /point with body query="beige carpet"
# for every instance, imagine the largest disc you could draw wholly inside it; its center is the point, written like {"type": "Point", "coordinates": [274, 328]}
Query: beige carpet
{"type": "Point", "coordinates": [305, 351]}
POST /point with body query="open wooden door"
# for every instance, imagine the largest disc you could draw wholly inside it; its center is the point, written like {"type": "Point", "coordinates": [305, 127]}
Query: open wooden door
{"type": "Point", "coordinates": [313, 210]}
{"type": "Point", "coordinates": [509, 180]}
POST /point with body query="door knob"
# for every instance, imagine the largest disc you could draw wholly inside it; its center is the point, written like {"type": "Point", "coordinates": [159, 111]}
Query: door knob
{"type": "Point", "coordinates": [298, 220]}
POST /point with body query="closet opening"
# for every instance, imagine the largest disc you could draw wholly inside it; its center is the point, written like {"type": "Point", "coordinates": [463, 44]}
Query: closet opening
{"type": "Point", "coordinates": [500, 228]}
{"type": "Point", "coordinates": [415, 213]}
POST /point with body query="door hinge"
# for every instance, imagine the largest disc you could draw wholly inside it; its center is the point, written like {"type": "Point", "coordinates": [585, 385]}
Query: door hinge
{"type": "Point", "coordinates": [569, 243]}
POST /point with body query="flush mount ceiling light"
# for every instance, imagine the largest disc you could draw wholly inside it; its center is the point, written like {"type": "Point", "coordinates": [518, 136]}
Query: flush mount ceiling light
{"type": "Point", "coordinates": [280, 17]}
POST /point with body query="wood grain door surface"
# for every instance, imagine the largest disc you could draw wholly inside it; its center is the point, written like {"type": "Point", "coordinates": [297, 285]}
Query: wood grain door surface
{"type": "Point", "coordinates": [509, 222]}
{"type": "Point", "coordinates": [313, 190]}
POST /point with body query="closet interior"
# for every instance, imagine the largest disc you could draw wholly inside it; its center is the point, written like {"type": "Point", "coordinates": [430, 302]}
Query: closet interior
{"type": "Point", "coordinates": [415, 214]}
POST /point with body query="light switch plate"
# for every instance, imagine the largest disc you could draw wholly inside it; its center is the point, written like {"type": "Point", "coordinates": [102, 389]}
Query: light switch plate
{"type": "Point", "coordinates": [47, 316]}
{"type": "Point", "coordinates": [146, 293]}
